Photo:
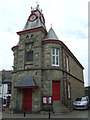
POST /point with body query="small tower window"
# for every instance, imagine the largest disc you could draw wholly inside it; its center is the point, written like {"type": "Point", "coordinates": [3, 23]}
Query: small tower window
{"type": "Point", "coordinates": [29, 56]}
{"type": "Point", "coordinates": [31, 35]}
{"type": "Point", "coordinates": [27, 36]}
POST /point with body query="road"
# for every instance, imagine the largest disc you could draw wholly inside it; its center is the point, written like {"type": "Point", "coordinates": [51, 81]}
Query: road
{"type": "Point", "coordinates": [73, 114]}
{"type": "Point", "coordinates": [0, 114]}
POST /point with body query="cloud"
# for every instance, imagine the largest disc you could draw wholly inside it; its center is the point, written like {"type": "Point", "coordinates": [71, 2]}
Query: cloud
{"type": "Point", "coordinates": [68, 19]}
{"type": "Point", "coordinates": [7, 41]}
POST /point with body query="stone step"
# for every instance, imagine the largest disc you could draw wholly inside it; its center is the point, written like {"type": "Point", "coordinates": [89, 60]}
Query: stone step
{"type": "Point", "coordinates": [57, 103]}
{"type": "Point", "coordinates": [60, 108]}
{"type": "Point", "coordinates": [62, 111]}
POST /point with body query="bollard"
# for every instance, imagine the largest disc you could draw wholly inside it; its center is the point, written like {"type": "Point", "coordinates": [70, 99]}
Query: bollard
{"type": "Point", "coordinates": [24, 111]}
{"type": "Point", "coordinates": [49, 113]}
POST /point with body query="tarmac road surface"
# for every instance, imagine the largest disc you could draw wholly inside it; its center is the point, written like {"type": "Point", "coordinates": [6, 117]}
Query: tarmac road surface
{"type": "Point", "coordinates": [73, 114]}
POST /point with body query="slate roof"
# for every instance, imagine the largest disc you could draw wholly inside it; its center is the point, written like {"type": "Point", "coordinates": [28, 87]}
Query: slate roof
{"type": "Point", "coordinates": [25, 82]}
{"type": "Point", "coordinates": [51, 35]}
{"type": "Point", "coordinates": [36, 23]}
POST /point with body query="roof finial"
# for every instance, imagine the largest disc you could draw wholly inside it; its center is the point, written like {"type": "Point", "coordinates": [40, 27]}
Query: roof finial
{"type": "Point", "coordinates": [51, 26]}
{"type": "Point", "coordinates": [31, 8]}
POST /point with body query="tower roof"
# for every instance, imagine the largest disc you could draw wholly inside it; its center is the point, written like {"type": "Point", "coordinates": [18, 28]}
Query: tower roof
{"type": "Point", "coordinates": [51, 35]}
{"type": "Point", "coordinates": [36, 19]}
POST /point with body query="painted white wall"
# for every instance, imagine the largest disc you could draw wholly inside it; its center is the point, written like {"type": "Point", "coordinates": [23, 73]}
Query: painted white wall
{"type": "Point", "coordinates": [4, 90]}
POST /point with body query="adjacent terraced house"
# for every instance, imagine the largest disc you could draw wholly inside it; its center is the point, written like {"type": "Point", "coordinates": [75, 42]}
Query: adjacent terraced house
{"type": "Point", "coordinates": [45, 71]}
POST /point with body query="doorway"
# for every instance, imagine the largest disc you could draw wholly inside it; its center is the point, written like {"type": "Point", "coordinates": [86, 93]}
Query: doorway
{"type": "Point", "coordinates": [56, 90]}
{"type": "Point", "coordinates": [27, 100]}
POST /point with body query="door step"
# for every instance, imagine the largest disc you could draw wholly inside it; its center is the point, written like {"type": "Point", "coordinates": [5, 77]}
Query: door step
{"type": "Point", "coordinates": [59, 108]}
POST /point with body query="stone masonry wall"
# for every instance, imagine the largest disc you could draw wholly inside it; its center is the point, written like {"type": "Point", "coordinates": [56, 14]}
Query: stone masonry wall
{"type": "Point", "coordinates": [17, 95]}
{"type": "Point", "coordinates": [74, 75]}
{"type": "Point", "coordinates": [77, 88]}
{"type": "Point", "coordinates": [28, 68]}
{"type": "Point", "coordinates": [47, 60]}
{"type": "Point", "coordinates": [75, 69]}
{"type": "Point", "coordinates": [34, 41]}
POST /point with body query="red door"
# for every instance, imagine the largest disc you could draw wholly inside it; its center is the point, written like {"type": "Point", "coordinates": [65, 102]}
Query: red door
{"type": "Point", "coordinates": [56, 90]}
{"type": "Point", "coordinates": [27, 100]}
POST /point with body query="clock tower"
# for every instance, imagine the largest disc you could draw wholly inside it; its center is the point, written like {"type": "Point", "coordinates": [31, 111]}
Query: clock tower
{"type": "Point", "coordinates": [36, 19]}
{"type": "Point", "coordinates": [27, 69]}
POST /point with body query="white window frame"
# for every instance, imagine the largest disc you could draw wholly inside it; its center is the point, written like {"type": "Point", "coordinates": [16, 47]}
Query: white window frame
{"type": "Point", "coordinates": [56, 56]}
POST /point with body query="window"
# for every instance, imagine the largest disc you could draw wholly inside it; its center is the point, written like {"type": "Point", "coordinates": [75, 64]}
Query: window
{"type": "Point", "coordinates": [67, 62]}
{"type": "Point", "coordinates": [31, 35]}
{"type": "Point", "coordinates": [55, 57]}
{"type": "Point", "coordinates": [29, 56]}
{"type": "Point", "coordinates": [27, 36]}
{"type": "Point", "coordinates": [69, 95]}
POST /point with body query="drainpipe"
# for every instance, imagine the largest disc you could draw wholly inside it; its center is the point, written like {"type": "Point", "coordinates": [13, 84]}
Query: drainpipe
{"type": "Point", "coordinates": [66, 78]}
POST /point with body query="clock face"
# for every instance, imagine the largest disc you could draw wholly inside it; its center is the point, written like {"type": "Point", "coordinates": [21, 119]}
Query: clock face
{"type": "Point", "coordinates": [32, 17]}
{"type": "Point", "coordinates": [42, 19]}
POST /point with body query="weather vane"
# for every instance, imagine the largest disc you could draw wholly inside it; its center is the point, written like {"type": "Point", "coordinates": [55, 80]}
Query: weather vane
{"type": "Point", "coordinates": [37, 3]}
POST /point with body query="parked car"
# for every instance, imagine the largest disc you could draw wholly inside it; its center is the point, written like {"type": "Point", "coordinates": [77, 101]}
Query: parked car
{"type": "Point", "coordinates": [81, 103]}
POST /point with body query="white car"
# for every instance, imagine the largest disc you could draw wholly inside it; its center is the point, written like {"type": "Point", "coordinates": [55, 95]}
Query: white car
{"type": "Point", "coordinates": [81, 103]}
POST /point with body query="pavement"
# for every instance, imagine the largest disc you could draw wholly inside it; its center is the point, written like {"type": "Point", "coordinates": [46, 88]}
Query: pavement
{"type": "Point", "coordinates": [73, 114]}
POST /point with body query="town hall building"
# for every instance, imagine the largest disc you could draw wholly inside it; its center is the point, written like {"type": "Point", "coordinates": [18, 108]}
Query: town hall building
{"type": "Point", "coordinates": [45, 71]}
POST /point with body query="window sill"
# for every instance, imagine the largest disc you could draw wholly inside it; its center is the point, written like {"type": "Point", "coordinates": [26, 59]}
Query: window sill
{"type": "Point", "coordinates": [55, 65]}
{"type": "Point", "coordinates": [29, 63]}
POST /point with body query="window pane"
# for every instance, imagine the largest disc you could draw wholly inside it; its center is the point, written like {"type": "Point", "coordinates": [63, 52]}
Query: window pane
{"type": "Point", "coordinates": [68, 90]}
{"type": "Point", "coordinates": [29, 56]}
{"type": "Point", "coordinates": [53, 60]}
{"type": "Point", "coordinates": [53, 51]}
{"type": "Point", "coordinates": [56, 60]}
{"type": "Point", "coordinates": [57, 51]}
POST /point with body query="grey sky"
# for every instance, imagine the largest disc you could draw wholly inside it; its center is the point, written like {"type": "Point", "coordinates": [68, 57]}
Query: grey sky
{"type": "Point", "coordinates": [69, 19]}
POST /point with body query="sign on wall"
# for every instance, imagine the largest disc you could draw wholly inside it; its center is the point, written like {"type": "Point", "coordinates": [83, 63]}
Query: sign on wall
{"type": "Point", "coordinates": [47, 100]}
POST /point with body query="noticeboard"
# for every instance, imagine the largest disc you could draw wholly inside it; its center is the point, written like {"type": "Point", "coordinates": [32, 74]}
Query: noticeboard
{"type": "Point", "coordinates": [47, 100]}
